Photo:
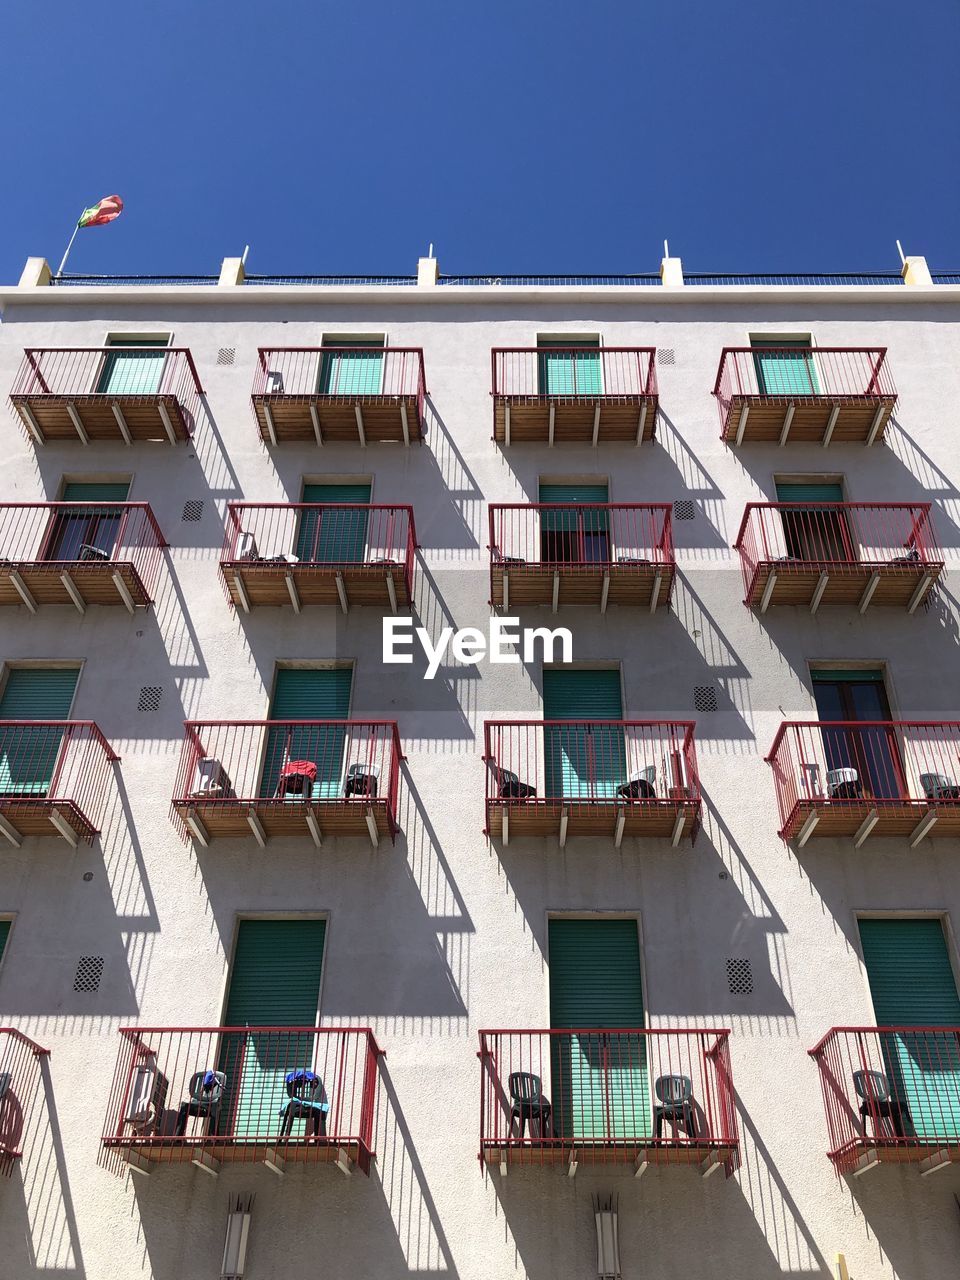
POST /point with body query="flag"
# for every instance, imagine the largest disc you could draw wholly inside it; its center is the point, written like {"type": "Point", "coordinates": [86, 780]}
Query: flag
{"type": "Point", "coordinates": [106, 210]}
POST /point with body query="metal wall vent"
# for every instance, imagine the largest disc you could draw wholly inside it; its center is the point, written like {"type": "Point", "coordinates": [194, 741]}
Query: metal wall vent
{"type": "Point", "coordinates": [150, 696]}
{"type": "Point", "coordinates": [665, 355]}
{"type": "Point", "coordinates": [89, 973]}
{"type": "Point", "coordinates": [684, 509]}
{"type": "Point", "coordinates": [739, 976]}
{"type": "Point", "coordinates": [192, 510]}
{"type": "Point", "coordinates": [704, 697]}
{"type": "Point", "coordinates": [226, 355]}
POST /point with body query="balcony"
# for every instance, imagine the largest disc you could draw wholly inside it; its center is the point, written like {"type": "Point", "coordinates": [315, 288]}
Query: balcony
{"type": "Point", "coordinates": [79, 553]}
{"type": "Point", "coordinates": [276, 1096]}
{"type": "Point", "coordinates": [21, 1084]}
{"type": "Point", "coordinates": [624, 1098]}
{"type": "Point", "coordinates": [891, 1094]}
{"type": "Point", "coordinates": [574, 395]}
{"type": "Point", "coordinates": [53, 779]}
{"type": "Point", "coordinates": [298, 553]}
{"type": "Point", "coordinates": [847, 553]}
{"type": "Point", "coordinates": [870, 777]}
{"type": "Point", "coordinates": [590, 555]}
{"type": "Point", "coordinates": [266, 778]}
{"type": "Point", "coordinates": [319, 395]}
{"type": "Point", "coordinates": [615, 778]}
{"type": "Point", "coordinates": [107, 393]}
{"type": "Point", "coordinates": [799, 395]}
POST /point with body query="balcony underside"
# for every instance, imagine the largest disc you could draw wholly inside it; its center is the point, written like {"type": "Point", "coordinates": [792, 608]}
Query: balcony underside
{"type": "Point", "coordinates": [360, 419]}
{"type": "Point", "coordinates": [143, 1153]}
{"type": "Point", "coordinates": [868, 818]}
{"type": "Point", "coordinates": [632, 1155]}
{"type": "Point", "coordinates": [74, 582]}
{"type": "Point", "coordinates": [811, 585]}
{"type": "Point", "coordinates": [22, 816]}
{"type": "Point", "coordinates": [592, 586]}
{"type": "Point", "coordinates": [652, 819]}
{"type": "Point", "coordinates": [866, 1153]}
{"type": "Point", "coordinates": [262, 820]}
{"type": "Point", "coordinates": [807, 419]}
{"type": "Point", "coordinates": [251, 584]}
{"type": "Point", "coordinates": [103, 417]}
{"type": "Point", "coordinates": [574, 419]}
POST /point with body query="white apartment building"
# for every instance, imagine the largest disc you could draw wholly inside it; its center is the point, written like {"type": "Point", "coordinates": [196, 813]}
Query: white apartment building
{"type": "Point", "coordinates": [636, 957]}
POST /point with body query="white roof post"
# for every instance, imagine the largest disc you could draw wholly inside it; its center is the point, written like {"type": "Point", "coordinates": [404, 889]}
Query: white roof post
{"type": "Point", "coordinates": [232, 271]}
{"type": "Point", "coordinates": [671, 269]}
{"type": "Point", "coordinates": [36, 272]}
{"type": "Point", "coordinates": [428, 269]}
{"type": "Point", "coordinates": [916, 271]}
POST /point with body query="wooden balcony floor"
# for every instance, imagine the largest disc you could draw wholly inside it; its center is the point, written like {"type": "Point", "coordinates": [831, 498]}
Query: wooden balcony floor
{"type": "Point", "coordinates": [93, 579]}
{"type": "Point", "coordinates": [767, 415]}
{"type": "Point", "coordinates": [230, 818]}
{"type": "Point", "coordinates": [625, 1153]}
{"type": "Point", "coordinates": [576, 419]}
{"type": "Point", "coordinates": [228, 1150]}
{"type": "Point", "coordinates": [797, 584]}
{"type": "Point", "coordinates": [653, 819]}
{"type": "Point", "coordinates": [266, 584]}
{"type": "Point", "coordinates": [893, 817]}
{"type": "Point", "coordinates": [142, 414]}
{"type": "Point", "coordinates": [642, 586]}
{"type": "Point", "coordinates": [31, 816]}
{"type": "Point", "coordinates": [864, 1153]}
{"type": "Point", "coordinates": [296, 419]}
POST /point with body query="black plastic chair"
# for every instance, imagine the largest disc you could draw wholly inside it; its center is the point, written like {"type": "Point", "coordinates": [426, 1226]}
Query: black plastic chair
{"type": "Point", "coordinates": [878, 1102]}
{"type": "Point", "coordinates": [307, 1101]}
{"type": "Point", "coordinates": [206, 1095]}
{"type": "Point", "coordinates": [528, 1103]}
{"type": "Point", "coordinates": [510, 787]}
{"type": "Point", "coordinates": [674, 1103]}
{"type": "Point", "coordinates": [362, 780]}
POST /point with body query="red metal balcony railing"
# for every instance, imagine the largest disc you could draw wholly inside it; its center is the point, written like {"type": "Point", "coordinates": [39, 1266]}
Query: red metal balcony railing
{"type": "Point", "coordinates": [581, 554]}
{"type": "Point", "coordinates": [802, 394]}
{"type": "Point", "coordinates": [211, 1095]}
{"type": "Point", "coordinates": [574, 394]}
{"type": "Point", "coordinates": [20, 1088]}
{"type": "Point", "coordinates": [891, 1094]}
{"type": "Point", "coordinates": [591, 777]}
{"type": "Point", "coordinates": [600, 1096]}
{"type": "Point", "coordinates": [54, 776]}
{"type": "Point", "coordinates": [107, 393]}
{"type": "Point", "coordinates": [299, 553]}
{"type": "Point", "coordinates": [265, 778]}
{"type": "Point", "coordinates": [79, 553]}
{"type": "Point", "coordinates": [857, 778]}
{"type": "Point", "coordinates": [317, 394]}
{"type": "Point", "coordinates": [813, 553]}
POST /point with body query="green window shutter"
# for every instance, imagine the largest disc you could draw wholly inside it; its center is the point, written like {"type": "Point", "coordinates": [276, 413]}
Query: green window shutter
{"type": "Point", "coordinates": [275, 982]}
{"type": "Point", "coordinates": [567, 373]}
{"type": "Point", "coordinates": [848, 675]}
{"type": "Point", "coordinates": [333, 537]}
{"type": "Point", "coordinates": [912, 984]}
{"type": "Point", "coordinates": [28, 757]}
{"type": "Point", "coordinates": [591, 521]}
{"type": "Point", "coordinates": [130, 373]}
{"type": "Point", "coordinates": [5, 926]}
{"type": "Point", "coordinates": [785, 372]}
{"type": "Point", "coordinates": [84, 492]}
{"type": "Point", "coordinates": [582, 763]}
{"type": "Point", "coordinates": [809, 492]}
{"type": "Point", "coordinates": [305, 693]}
{"type": "Point", "coordinates": [600, 1082]}
{"type": "Point", "coordinates": [353, 372]}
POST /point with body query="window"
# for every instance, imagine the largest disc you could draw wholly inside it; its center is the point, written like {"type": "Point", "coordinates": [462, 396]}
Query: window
{"type": "Point", "coordinates": [338, 536]}
{"type": "Point", "coordinates": [785, 366]}
{"type": "Point", "coordinates": [29, 753]}
{"type": "Point", "coordinates": [133, 373]}
{"type": "Point", "coordinates": [580, 536]}
{"type": "Point", "coordinates": [583, 761]}
{"type": "Point", "coordinates": [307, 693]}
{"type": "Point", "coordinates": [87, 535]}
{"type": "Point", "coordinates": [565, 368]}
{"type": "Point", "coordinates": [861, 761]}
{"type": "Point", "coordinates": [815, 534]}
{"type": "Point", "coordinates": [354, 370]}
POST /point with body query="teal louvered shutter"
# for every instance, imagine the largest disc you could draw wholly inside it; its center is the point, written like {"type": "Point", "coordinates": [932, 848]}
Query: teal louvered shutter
{"type": "Point", "coordinates": [133, 373]}
{"type": "Point", "coordinates": [824, 492]}
{"type": "Point", "coordinates": [582, 762]}
{"type": "Point", "coordinates": [338, 536]}
{"type": "Point", "coordinates": [581, 534]}
{"type": "Point", "coordinates": [69, 532]}
{"type": "Point", "coordinates": [309, 693]}
{"type": "Point", "coordinates": [600, 1083]}
{"type": "Point", "coordinates": [565, 368]}
{"type": "Point", "coordinates": [274, 982]}
{"type": "Point", "coordinates": [28, 755]}
{"type": "Point", "coordinates": [912, 984]}
{"type": "Point", "coordinates": [356, 371]}
{"type": "Point", "coordinates": [784, 368]}
{"type": "Point", "coordinates": [5, 926]}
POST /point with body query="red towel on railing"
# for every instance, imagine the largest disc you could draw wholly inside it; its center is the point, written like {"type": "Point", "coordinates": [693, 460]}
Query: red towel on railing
{"type": "Point", "coordinates": [302, 768]}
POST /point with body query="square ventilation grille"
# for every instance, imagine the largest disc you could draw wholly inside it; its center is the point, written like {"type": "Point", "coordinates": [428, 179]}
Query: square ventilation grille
{"type": "Point", "coordinates": [739, 976]}
{"type": "Point", "coordinates": [226, 355]}
{"type": "Point", "coordinates": [193, 510]}
{"type": "Point", "coordinates": [684, 509]}
{"type": "Point", "coordinates": [89, 972]}
{"type": "Point", "coordinates": [704, 697]}
{"type": "Point", "coordinates": [150, 696]}
{"type": "Point", "coordinates": [666, 355]}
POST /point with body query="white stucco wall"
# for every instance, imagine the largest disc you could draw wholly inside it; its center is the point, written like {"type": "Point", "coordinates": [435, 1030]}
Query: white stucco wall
{"type": "Point", "coordinates": [443, 934]}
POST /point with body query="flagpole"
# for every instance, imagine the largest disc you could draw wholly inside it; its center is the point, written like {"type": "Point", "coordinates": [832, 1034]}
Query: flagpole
{"type": "Point", "coordinates": [63, 261]}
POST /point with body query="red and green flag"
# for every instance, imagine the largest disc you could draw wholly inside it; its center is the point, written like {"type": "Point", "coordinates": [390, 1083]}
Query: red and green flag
{"type": "Point", "coordinates": [103, 211]}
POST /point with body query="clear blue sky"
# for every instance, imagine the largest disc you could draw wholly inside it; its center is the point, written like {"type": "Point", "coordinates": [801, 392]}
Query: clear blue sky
{"type": "Point", "coordinates": [516, 136]}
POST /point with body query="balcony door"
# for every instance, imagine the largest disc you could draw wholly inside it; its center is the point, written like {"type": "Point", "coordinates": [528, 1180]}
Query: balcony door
{"type": "Point", "coordinates": [274, 982]}
{"type": "Point", "coordinates": [872, 751]}
{"type": "Point", "coordinates": [562, 371]}
{"type": "Point", "coordinates": [912, 984]}
{"type": "Point", "coordinates": [784, 367]}
{"type": "Point", "coordinates": [338, 536]}
{"type": "Point", "coordinates": [357, 371]}
{"type": "Point", "coordinates": [816, 534]}
{"type": "Point", "coordinates": [133, 373]}
{"type": "Point", "coordinates": [580, 535]}
{"type": "Point", "coordinates": [87, 535]}
{"type": "Point", "coordinates": [29, 754]}
{"type": "Point", "coordinates": [583, 762]}
{"type": "Point", "coordinates": [600, 1083]}
{"type": "Point", "coordinates": [308, 693]}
